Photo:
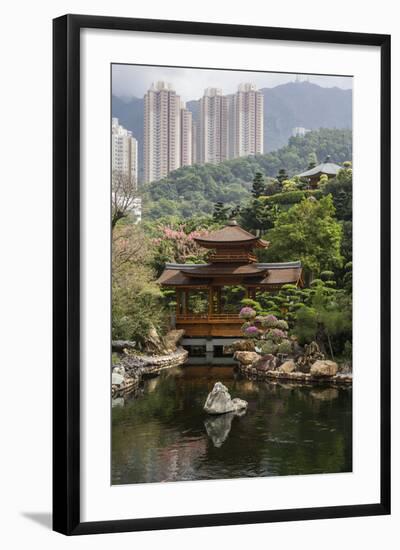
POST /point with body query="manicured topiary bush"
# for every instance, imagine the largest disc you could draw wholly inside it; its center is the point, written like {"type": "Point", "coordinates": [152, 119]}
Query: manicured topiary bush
{"type": "Point", "coordinates": [247, 313]}
{"type": "Point", "coordinates": [251, 331]}
{"type": "Point", "coordinates": [285, 347]}
{"type": "Point", "coordinates": [268, 347]}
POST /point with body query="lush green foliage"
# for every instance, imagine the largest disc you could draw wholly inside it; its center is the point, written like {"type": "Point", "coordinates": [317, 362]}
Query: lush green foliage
{"type": "Point", "coordinates": [193, 190]}
{"type": "Point", "coordinates": [308, 232]}
{"type": "Point", "coordinates": [137, 302]}
{"type": "Point", "coordinates": [320, 312]}
{"type": "Point", "coordinates": [341, 189]}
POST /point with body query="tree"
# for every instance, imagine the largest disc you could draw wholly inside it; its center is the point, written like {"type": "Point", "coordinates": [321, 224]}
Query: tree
{"type": "Point", "coordinates": [123, 196]}
{"type": "Point", "coordinates": [176, 244]}
{"type": "Point", "coordinates": [326, 318]}
{"type": "Point", "coordinates": [258, 188]}
{"type": "Point", "coordinates": [282, 175]}
{"type": "Point", "coordinates": [308, 232]}
{"type": "Point", "coordinates": [341, 189]}
{"type": "Point", "coordinates": [137, 302]}
{"type": "Point", "coordinates": [259, 215]}
{"type": "Point", "coordinates": [312, 161]}
{"type": "Point", "coordinates": [221, 212]}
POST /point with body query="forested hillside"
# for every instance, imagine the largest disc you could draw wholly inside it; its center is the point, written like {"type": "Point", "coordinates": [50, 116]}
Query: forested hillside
{"type": "Point", "coordinates": [193, 190]}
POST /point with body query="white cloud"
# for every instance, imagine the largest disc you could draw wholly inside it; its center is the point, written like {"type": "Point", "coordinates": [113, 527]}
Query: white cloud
{"type": "Point", "coordinates": [135, 80]}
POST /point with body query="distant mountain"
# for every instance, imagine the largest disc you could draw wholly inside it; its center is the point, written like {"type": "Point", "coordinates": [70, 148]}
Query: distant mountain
{"type": "Point", "coordinates": [303, 104]}
{"type": "Point", "coordinates": [285, 107]}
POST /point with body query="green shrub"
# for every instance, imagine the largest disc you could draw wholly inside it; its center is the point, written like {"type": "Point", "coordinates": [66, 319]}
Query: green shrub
{"type": "Point", "coordinates": [268, 347]}
{"type": "Point", "coordinates": [285, 347]}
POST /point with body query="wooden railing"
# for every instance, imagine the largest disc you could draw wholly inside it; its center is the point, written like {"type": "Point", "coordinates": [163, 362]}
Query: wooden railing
{"type": "Point", "coordinates": [209, 317]}
{"type": "Point", "coordinates": [220, 257]}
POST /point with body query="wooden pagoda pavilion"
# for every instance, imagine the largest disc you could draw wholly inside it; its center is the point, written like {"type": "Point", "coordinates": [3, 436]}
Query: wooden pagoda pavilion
{"type": "Point", "coordinates": [231, 262]}
{"type": "Point", "coordinates": [326, 168]}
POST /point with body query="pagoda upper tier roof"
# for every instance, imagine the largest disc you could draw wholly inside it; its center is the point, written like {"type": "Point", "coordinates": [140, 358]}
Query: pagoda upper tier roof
{"type": "Point", "coordinates": [259, 274]}
{"type": "Point", "coordinates": [231, 235]}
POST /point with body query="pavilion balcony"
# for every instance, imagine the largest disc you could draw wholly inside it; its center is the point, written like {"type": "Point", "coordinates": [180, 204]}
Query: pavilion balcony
{"type": "Point", "coordinates": [209, 324]}
{"type": "Point", "coordinates": [211, 316]}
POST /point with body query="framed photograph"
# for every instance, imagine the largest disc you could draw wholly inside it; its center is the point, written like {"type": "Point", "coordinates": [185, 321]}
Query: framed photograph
{"type": "Point", "coordinates": [221, 274]}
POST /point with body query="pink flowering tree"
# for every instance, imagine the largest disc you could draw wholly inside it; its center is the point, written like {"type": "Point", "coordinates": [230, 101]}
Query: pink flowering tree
{"type": "Point", "coordinates": [175, 244]}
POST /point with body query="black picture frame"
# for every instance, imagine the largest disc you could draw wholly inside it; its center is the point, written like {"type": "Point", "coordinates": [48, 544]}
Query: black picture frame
{"type": "Point", "coordinates": [66, 273]}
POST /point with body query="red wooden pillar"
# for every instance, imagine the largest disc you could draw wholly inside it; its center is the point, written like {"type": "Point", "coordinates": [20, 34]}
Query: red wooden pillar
{"type": "Point", "coordinates": [219, 300]}
{"type": "Point", "coordinates": [210, 301]}
{"type": "Point", "coordinates": [186, 301]}
{"type": "Point", "coordinates": [178, 301]}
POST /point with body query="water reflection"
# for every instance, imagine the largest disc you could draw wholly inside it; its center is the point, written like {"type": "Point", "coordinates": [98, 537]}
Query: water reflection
{"type": "Point", "coordinates": [218, 427]}
{"type": "Point", "coordinates": [164, 435]}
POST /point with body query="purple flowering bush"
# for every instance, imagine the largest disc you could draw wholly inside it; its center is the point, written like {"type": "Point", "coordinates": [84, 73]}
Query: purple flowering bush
{"type": "Point", "coordinates": [251, 331]}
{"type": "Point", "coordinates": [269, 321]}
{"type": "Point", "coordinates": [269, 331]}
{"type": "Point", "coordinates": [247, 313]}
{"type": "Point", "coordinates": [281, 324]}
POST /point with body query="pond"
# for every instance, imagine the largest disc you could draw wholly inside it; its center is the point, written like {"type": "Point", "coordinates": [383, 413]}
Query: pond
{"type": "Point", "coordinates": [163, 434]}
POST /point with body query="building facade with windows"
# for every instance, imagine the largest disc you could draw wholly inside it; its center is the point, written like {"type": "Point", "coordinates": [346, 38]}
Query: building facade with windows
{"type": "Point", "coordinates": [162, 130]}
{"type": "Point", "coordinates": [186, 137]}
{"type": "Point", "coordinates": [124, 152]}
{"type": "Point", "coordinates": [248, 121]}
{"type": "Point", "coordinates": [213, 127]}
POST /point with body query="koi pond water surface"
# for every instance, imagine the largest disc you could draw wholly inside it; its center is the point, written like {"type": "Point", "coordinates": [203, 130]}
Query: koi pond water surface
{"type": "Point", "coordinates": [163, 434]}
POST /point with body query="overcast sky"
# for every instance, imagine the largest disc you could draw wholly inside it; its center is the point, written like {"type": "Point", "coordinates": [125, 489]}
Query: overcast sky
{"type": "Point", "coordinates": [134, 80]}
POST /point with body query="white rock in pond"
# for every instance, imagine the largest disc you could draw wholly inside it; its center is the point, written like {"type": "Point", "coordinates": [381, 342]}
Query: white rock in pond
{"type": "Point", "coordinates": [117, 379]}
{"type": "Point", "coordinates": [219, 401]}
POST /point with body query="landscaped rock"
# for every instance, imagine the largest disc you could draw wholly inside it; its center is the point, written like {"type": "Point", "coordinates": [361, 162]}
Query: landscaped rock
{"type": "Point", "coordinates": [345, 368]}
{"type": "Point", "coordinates": [219, 401]}
{"type": "Point", "coordinates": [311, 354]}
{"type": "Point", "coordinates": [172, 338]}
{"type": "Point", "coordinates": [266, 363]}
{"type": "Point", "coordinates": [121, 345]}
{"type": "Point", "coordinates": [287, 367]}
{"type": "Point", "coordinates": [246, 357]}
{"type": "Point", "coordinates": [119, 370]}
{"type": "Point", "coordinates": [153, 343]}
{"type": "Point", "coordinates": [239, 345]}
{"type": "Point", "coordinates": [117, 379]}
{"type": "Point", "coordinates": [323, 369]}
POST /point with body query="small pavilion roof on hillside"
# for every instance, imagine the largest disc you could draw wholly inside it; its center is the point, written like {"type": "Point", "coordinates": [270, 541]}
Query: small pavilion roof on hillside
{"type": "Point", "coordinates": [326, 167]}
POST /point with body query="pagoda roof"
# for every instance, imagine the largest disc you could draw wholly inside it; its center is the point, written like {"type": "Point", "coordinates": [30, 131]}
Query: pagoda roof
{"type": "Point", "coordinates": [260, 274]}
{"type": "Point", "coordinates": [230, 235]}
{"type": "Point", "coordinates": [325, 167]}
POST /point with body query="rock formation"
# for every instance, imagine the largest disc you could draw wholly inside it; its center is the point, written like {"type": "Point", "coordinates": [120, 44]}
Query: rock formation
{"type": "Point", "coordinates": [323, 369]}
{"type": "Point", "coordinates": [219, 401]}
{"type": "Point", "coordinates": [246, 357]}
